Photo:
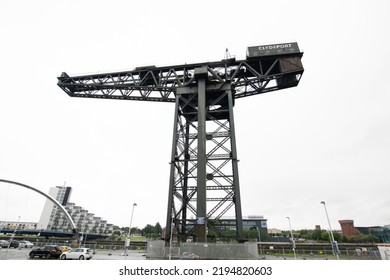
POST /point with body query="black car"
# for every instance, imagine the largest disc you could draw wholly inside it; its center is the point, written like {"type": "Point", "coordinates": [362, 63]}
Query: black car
{"type": "Point", "coordinates": [48, 251]}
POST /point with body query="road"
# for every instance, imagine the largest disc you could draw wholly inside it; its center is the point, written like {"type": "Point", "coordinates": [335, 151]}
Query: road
{"type": "Point", "coordinates": [23, 254]}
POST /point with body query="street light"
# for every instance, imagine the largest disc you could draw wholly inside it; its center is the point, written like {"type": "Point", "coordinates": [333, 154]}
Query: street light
{"type": "Point", "coordinates": [259, 233]}
{"type": "Point", "coordinates": [127, 242]}
{"type": "Point", "coordinates": [333, 242]}
{"type": "Point", "coordinates": [170, 239]}
{"type": "Point", "coordinates": [292, 237]}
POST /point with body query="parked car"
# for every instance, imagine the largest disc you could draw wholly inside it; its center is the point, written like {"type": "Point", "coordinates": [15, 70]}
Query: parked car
{"type": "Point", "coordinates": [4, 243]}
{"type": "Point", "coordinates": [14, 244]}
{"type": "Point", "coordinates": [47, 251]}
{"type": "Point", "coordinates": [77, 254]}
{"type": "Point", "coordinates": [26, 244]}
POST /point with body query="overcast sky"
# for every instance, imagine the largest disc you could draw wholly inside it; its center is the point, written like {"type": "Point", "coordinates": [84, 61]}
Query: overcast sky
{"type": "Point", "coordinates": [326, 140]}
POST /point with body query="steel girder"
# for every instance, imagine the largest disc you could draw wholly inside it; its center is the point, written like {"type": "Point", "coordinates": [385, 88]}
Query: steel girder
{"type": "Point", "coordinates": [201, 192]}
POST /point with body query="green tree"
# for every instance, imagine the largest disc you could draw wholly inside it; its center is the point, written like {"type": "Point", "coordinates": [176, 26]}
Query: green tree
{"type": "Point", "coordinates": [125, 230]}
{"type": "Point", "coordinates": [152, 231]}
{"type": "Point", "coordinates": [363, 238]}
{"type": "Point", "coordinates": [148, 230]}
{"type": "Point", "coordinates": [251, 234]}
{"type": "Point", "coordinates": [158, 229]}
{"type": "Point", "coordinates": [337, 236]}
{"type": "Point", "coordinates": [315, 235]}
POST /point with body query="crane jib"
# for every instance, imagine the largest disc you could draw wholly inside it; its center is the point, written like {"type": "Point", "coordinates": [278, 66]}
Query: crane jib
{"type": "Point", "coordinates": [255, 75]}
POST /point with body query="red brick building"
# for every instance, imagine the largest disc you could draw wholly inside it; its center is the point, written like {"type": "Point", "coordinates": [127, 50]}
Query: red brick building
{"type": "Point", "coordinates": [347, 228]}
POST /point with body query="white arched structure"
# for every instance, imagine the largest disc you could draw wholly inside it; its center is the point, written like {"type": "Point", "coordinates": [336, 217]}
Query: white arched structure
{"type": "Point", "coordinates": [48, 197]}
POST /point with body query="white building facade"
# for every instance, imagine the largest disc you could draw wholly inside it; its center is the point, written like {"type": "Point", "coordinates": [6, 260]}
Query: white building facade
{"type": "Point", "coordinates": [53, 219]}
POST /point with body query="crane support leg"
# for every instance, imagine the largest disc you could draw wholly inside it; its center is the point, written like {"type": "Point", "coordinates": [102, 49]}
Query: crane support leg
{"type": "Point", "coordinates": [201, 235]}
{"type": "Point", "coordinates": [204, 185]}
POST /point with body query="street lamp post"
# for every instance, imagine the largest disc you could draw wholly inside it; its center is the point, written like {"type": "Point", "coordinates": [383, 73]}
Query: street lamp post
{"type": "Point", "coordinates": [333, 242]}
{"type": "Point", "coordinates": [85, 239]}
{"type": "Point", "coordinates": [292, 237]}
{"type": "Point", "coordinates": [170, 239]}
{"type": "Point", "coordinates": [259, 233]}
{"type": "Point", "coordinates": [128, 239]}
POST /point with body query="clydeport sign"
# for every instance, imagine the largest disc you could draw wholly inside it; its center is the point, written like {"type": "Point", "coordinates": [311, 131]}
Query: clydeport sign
{"type": "Point", "coordinates": [274, 49]}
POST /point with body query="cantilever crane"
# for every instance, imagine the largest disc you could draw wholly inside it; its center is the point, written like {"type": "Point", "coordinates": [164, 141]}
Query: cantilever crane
{"type": "Point", "coordinates": [204, 186]}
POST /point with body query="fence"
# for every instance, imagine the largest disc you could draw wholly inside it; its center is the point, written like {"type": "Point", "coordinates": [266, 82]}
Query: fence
{"type": "Point", "coordinates": [384, 250]}
{"type": "Point", "coordinates": [206, 251]}
{"type": "Point", "coordinates": [358, 253]}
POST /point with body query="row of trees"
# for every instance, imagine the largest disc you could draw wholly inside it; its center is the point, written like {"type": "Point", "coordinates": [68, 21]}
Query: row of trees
{"type": "Point", "coordinates": [324, 236]}
{"type": "Point", "coordinates": [148, 231]}
{"type": "Point", "coordinates": [307, 235]}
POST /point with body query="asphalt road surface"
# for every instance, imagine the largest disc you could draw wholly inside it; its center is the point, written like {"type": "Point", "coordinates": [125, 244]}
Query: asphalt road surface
{"type": "Point", "coordinates": [23, 254]}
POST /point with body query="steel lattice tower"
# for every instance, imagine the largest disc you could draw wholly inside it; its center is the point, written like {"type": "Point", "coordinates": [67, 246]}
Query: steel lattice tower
{"type": "Point", "coordinates": [204, 184]}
